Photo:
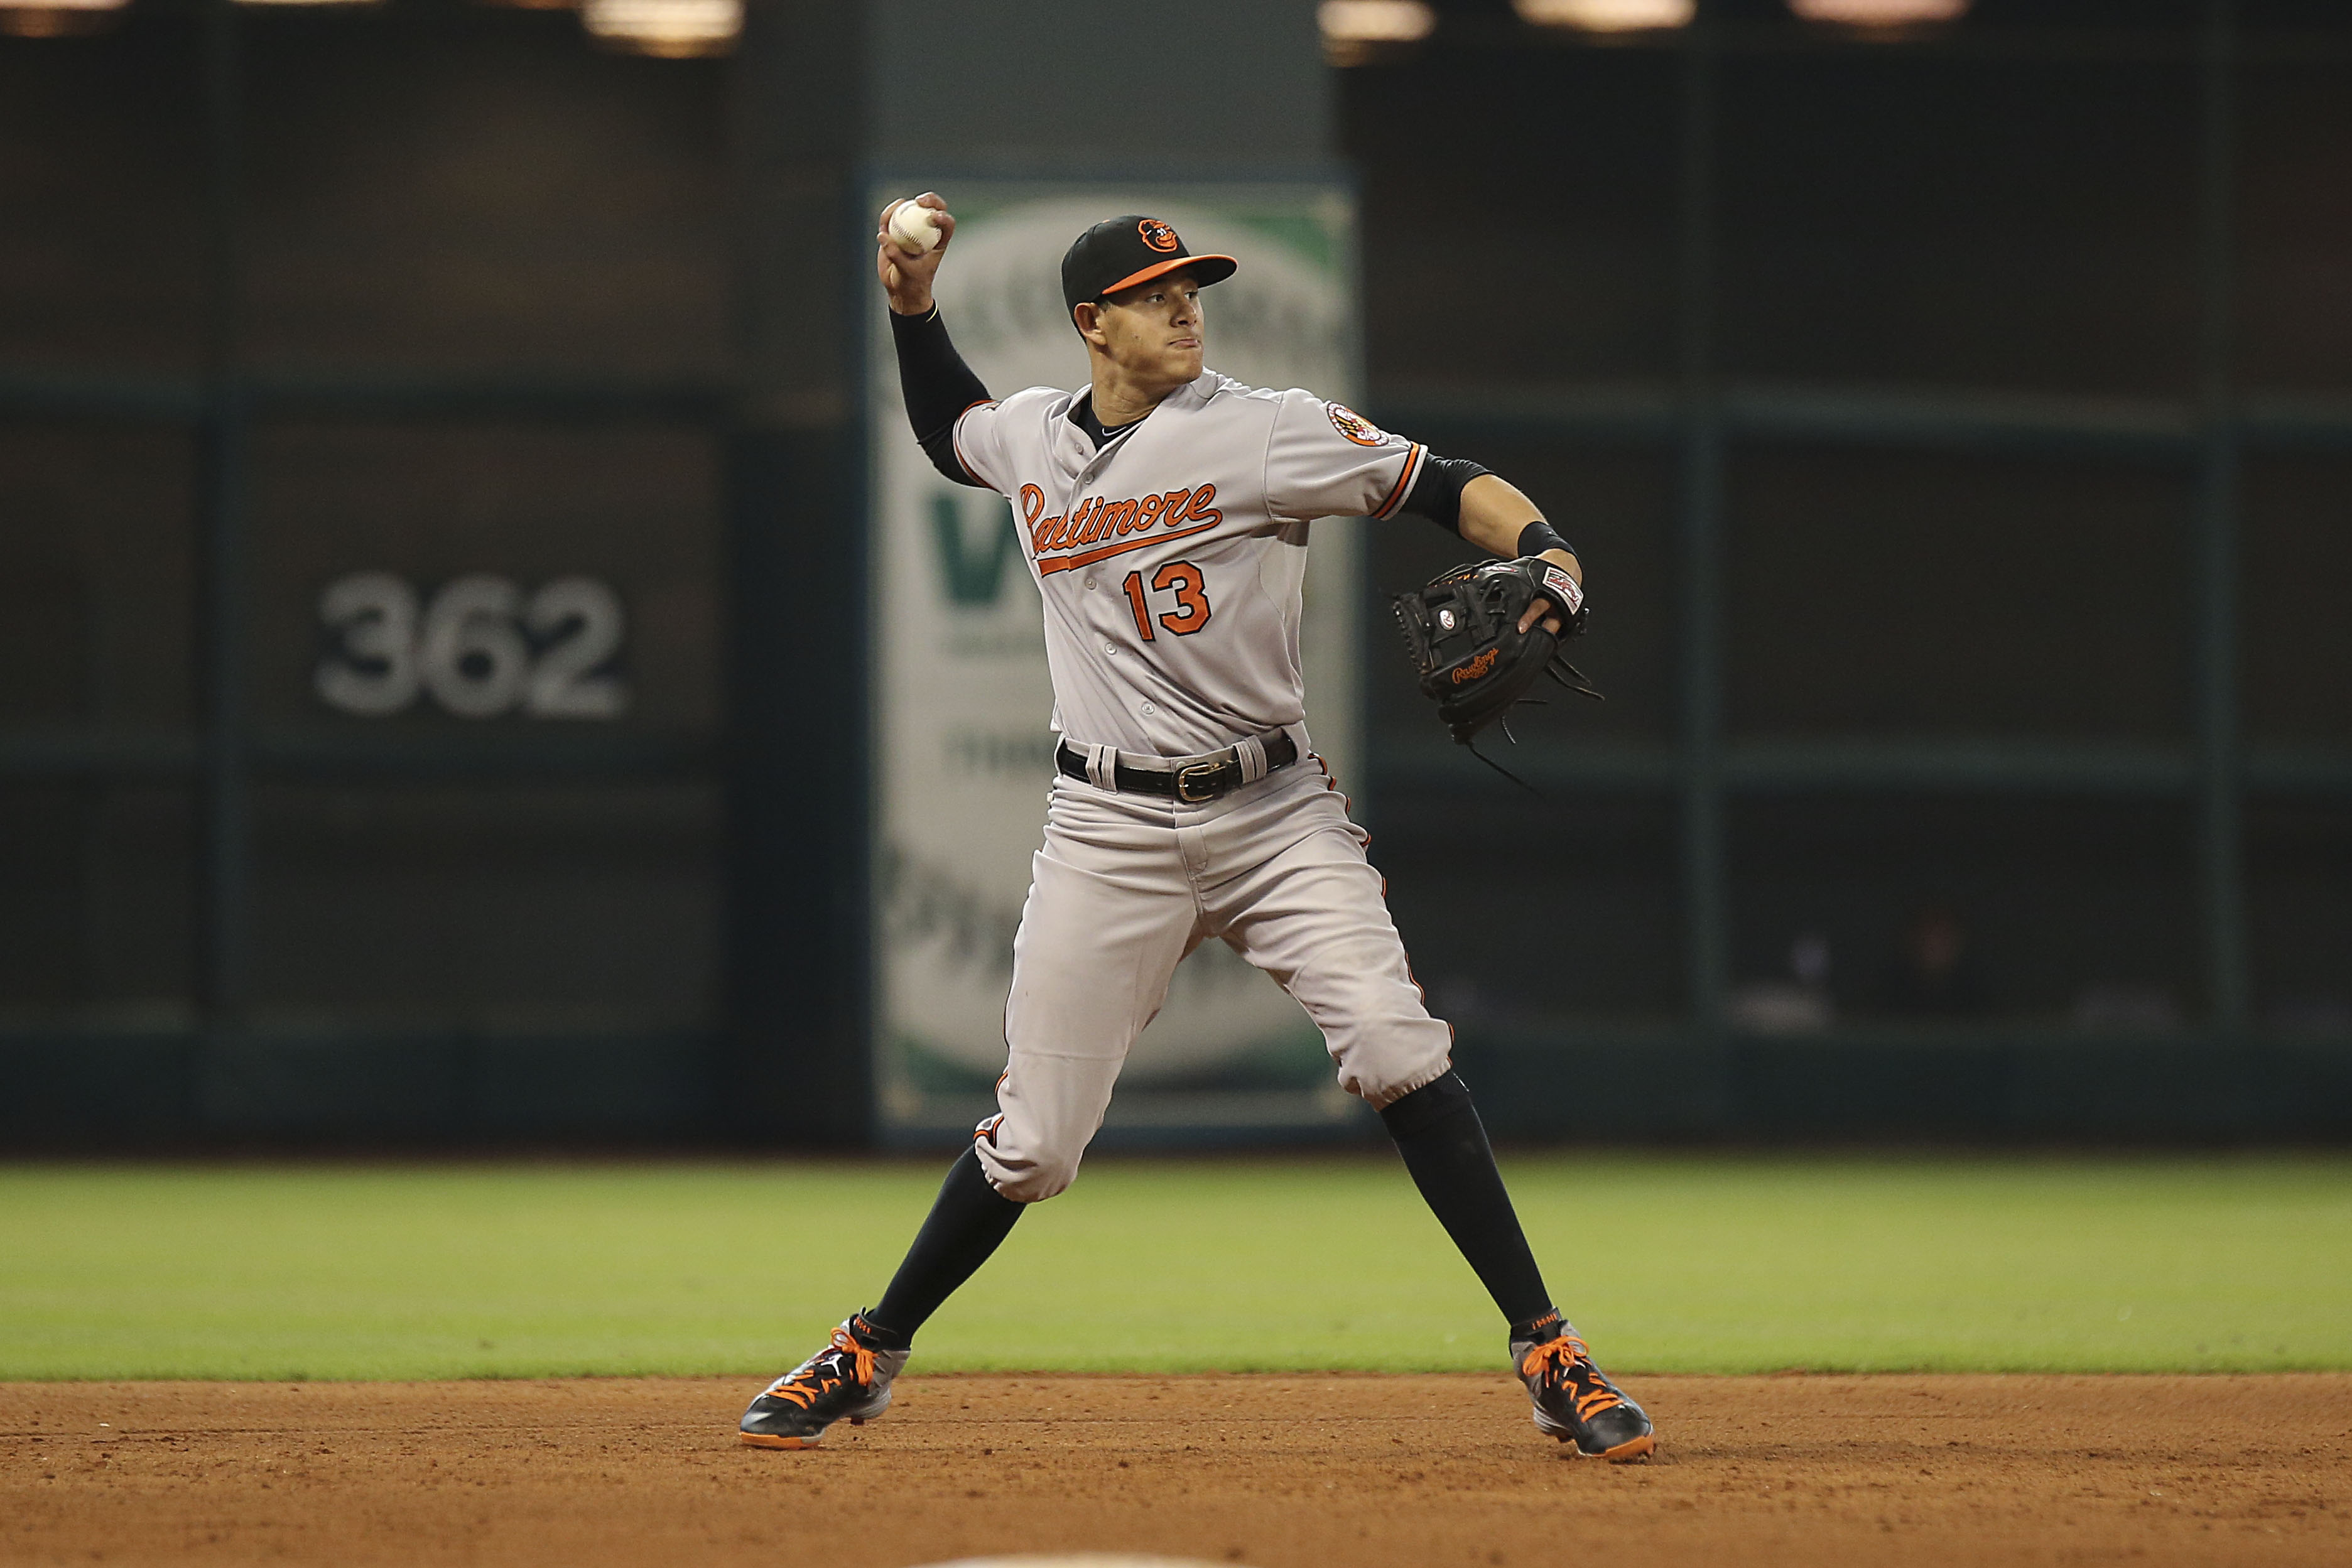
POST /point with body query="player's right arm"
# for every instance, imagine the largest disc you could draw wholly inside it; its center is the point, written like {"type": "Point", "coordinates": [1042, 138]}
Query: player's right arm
{"type": "Point", "coordinates": [939, 389]}
{"type": "Point", "coordinates": [907, 273]}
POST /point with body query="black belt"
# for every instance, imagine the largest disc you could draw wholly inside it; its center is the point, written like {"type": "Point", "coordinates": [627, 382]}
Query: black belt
{"type": "Point", "coordinates": [1194, 781]}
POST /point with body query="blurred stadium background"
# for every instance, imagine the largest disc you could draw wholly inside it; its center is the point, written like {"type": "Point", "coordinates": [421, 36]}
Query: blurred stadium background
{"type": "Point", "coordinates": [1954, 403]}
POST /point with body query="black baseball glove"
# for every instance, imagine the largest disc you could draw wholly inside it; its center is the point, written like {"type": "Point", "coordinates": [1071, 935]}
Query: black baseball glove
{"type": "Point", "coordinates": [1463, 629]}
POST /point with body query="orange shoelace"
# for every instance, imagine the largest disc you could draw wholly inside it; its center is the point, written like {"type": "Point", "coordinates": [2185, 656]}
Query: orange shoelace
{"type": "Point", "coordinates": [1566, 1358]}
{"type": "Point", "coordinates": [802, 1387]}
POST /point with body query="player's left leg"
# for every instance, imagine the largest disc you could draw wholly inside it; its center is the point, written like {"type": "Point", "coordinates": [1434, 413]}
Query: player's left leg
{"type": "Point", "coordinates": [1306, 906]}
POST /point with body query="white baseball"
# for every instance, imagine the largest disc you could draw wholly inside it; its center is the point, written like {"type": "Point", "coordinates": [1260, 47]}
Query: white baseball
{"type": "Point", "coordinates": [916, 226]}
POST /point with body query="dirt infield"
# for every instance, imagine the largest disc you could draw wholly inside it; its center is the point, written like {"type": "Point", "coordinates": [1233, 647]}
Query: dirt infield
{"type": "Point", "coordinates": [1273, 1470]}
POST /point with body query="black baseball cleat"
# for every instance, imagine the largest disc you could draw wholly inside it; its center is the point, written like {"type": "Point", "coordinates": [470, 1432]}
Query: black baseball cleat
{"type": "Point", "coordinates": [849, 1378]}
{"type": "Point", "coordinates": [1574, 1403]}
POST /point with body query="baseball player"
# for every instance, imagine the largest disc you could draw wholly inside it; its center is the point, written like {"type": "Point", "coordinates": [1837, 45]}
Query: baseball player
{"type": "Point", "coordinates": [1164, 511]}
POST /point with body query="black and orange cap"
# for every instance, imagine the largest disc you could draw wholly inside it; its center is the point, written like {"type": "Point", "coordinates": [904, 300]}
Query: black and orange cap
{"type": "Point", "coordinates": [1119, 253]}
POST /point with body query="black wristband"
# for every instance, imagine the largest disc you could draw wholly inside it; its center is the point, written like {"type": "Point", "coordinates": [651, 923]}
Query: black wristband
{"type": "Point", "coordinates": [1538, 537]}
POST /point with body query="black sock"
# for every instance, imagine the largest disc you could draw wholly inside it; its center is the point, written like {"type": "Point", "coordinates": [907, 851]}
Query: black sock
{"type": "Point", "coordinates": [1437, 1131]}
{"type": "Point", "coordinates": [968, 1221]}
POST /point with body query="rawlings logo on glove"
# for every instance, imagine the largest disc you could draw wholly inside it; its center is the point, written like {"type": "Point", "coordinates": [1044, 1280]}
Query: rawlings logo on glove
{"type": "Point", "coordinates": [1567, 597]}
{"type": "Point", "coordinates": [1475, 668]}
{"type": "Point", "coordinates": [1462, 631]}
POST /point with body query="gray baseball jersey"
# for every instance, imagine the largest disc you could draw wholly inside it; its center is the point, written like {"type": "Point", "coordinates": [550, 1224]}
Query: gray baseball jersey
{"type": "Point", "coordinates": [1169, 562]}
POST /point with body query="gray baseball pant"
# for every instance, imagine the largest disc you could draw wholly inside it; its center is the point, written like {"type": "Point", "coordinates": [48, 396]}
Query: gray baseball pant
{"type": "Point", "coordinates": [1127, 885]}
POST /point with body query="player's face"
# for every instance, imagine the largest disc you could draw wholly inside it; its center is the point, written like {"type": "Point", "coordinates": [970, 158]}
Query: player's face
{"type": "Point", "coordinates": [1155, 331]}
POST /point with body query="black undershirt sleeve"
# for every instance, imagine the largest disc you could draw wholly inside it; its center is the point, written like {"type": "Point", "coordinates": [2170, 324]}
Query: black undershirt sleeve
{"type": "Point", "coordinates": [939, 386]}
{"type": "Point", "coordinates": [1437, 493]}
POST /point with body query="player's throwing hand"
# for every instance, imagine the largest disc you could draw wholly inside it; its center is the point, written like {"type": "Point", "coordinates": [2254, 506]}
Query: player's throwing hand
{"type": "Point", "coordinates": [907, 270]}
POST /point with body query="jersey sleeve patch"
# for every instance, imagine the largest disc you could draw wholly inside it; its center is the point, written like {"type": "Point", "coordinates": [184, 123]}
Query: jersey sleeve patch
{"type": "Point", "coordinates": [1355, 426]}
{"type": "Point", "coordinates": [1324, 459]}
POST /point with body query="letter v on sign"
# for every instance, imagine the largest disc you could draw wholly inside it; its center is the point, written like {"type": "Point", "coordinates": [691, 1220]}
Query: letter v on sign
{"type": "Point", "coordinates": [971, 575]}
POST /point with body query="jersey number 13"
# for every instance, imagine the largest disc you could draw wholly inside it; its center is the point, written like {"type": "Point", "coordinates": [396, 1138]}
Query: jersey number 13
{"type": "Point", "coordinates": [1183, 579]}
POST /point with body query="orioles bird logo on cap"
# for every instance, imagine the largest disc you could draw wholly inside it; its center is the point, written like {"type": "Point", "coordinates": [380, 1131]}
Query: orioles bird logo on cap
{"type": "Point", "coordinates": [1158, 236]}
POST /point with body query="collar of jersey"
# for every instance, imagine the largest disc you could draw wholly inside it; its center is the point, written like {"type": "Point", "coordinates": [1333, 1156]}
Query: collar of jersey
{"type": "Point", "coordinates": [1071, 414]}
{"type": "Point", "coordinates": [1196, 393]}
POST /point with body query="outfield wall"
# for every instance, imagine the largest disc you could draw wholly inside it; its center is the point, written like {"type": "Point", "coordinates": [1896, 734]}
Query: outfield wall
{"type": "Point", "coordinates": [131, 1095]}
{"type": "Point", "coordinates": [436, 592]}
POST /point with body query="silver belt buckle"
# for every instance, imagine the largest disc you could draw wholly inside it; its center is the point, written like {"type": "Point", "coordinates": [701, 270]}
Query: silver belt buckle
{"type": "Point", "coordinates": [1206, 772]}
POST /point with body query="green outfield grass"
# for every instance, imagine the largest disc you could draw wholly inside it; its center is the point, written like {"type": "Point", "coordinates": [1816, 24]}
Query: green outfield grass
{"type": "Point", "coordinates": [1680, 1264]}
